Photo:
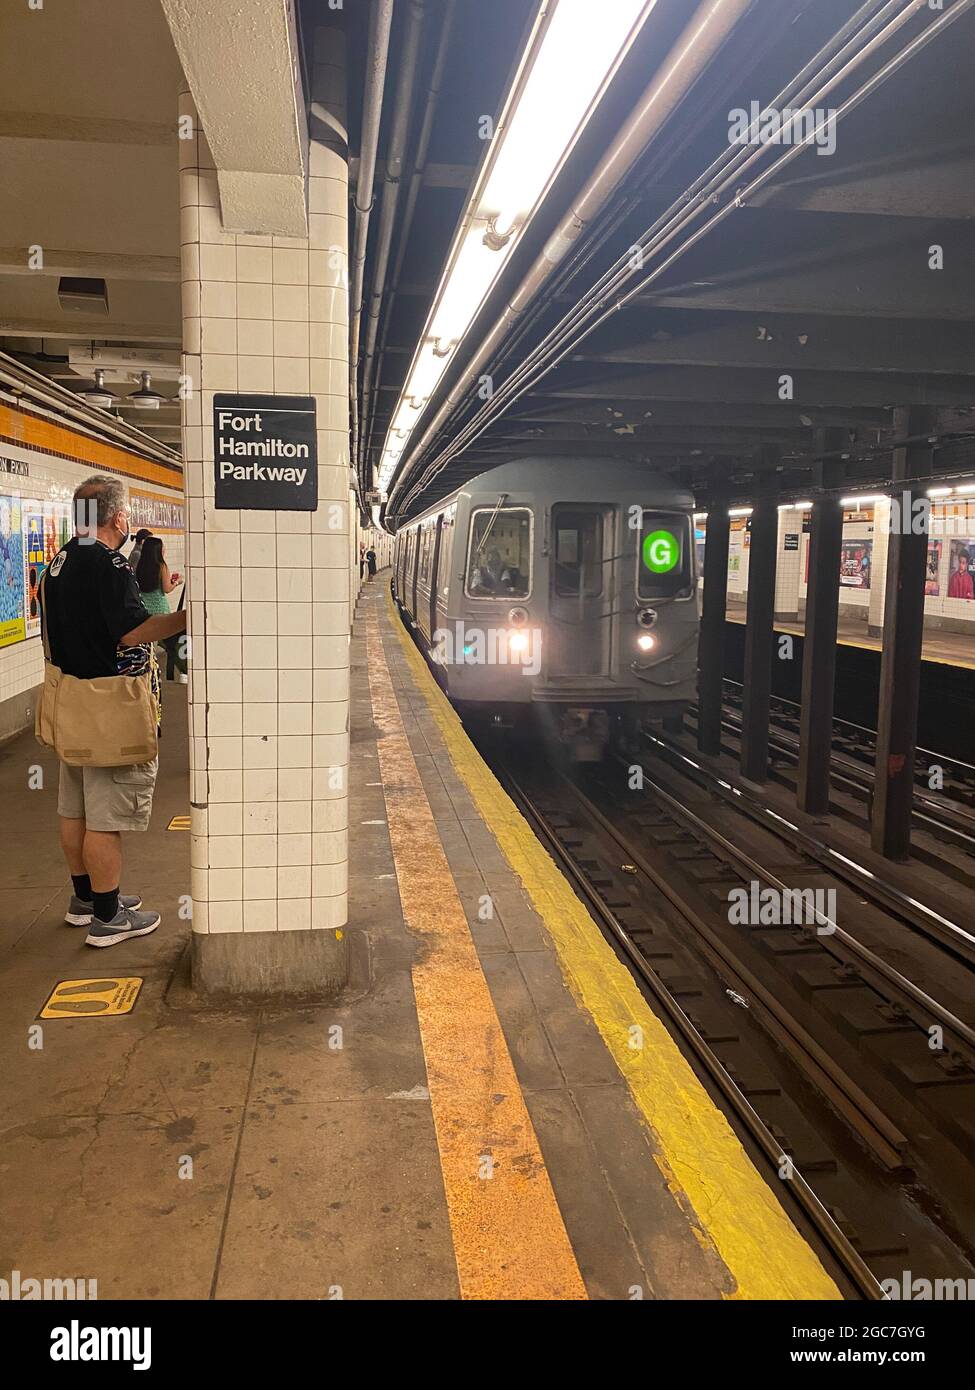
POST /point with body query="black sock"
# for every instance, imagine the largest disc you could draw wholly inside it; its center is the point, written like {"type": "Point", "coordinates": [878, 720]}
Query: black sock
{"type": "Point", "coordinates": [82, 887]}
{"type": "Point", "coordinates": [106, 904]}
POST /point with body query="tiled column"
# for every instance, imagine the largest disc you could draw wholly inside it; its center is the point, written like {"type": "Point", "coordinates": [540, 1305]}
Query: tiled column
{"type": "Point", "coordinates": [878, 566]}
{"type": "Point", "coordinates": [787, 569]}
{"type": "Point", "coordinates": [268, 599]}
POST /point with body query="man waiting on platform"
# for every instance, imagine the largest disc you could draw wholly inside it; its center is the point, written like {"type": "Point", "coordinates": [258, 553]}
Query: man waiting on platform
{"type": "Point", "coordinates": [97, 625]}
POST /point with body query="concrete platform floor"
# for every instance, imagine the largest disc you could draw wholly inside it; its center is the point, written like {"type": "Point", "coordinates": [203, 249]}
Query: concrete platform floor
{"type": "Point", "coordinates": [278, 1152]}
{"type": "Point", "coordinates": [946, 648]}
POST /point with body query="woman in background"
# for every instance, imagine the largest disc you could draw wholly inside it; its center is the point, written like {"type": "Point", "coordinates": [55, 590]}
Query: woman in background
{"type": "Point", "coordinates": [157, 582]}
{"type": "Point", "coordinates": [135, 554]}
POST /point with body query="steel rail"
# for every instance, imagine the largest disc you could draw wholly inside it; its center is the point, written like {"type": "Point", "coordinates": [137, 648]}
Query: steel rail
{"type": "Point", "coordinates": [865, 881]}
{"type": "Point", "coordinates": [849, 1260]}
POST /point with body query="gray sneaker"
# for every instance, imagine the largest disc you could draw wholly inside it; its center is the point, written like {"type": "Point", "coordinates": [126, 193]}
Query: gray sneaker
{"type": "Point", "coordinates": [126, 922]}
{"type": "Point", "coordinates": [80, 913]}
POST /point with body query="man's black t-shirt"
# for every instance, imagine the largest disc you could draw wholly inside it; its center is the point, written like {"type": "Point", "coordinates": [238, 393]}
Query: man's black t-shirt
{"type": "Point", "coordinates": [92, 599]}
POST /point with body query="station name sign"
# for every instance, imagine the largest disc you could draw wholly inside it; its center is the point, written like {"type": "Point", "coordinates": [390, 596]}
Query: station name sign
{"type": "Point", "coordinates": [265, 453]}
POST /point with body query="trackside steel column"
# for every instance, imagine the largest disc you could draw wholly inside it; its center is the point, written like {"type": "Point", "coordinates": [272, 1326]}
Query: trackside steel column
{"type": "Point", "coordinates": [759, 634]}
{"type": "Point", "coordinates": [819, 649]}
{"type": "Point", "coordinates": [710, 659]}
{"type": "Point", "coordinates": [900, 666]}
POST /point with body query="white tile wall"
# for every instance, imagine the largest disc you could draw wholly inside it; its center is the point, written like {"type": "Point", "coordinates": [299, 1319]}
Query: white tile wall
{"type": "Point", "coordinates": [269, 615]}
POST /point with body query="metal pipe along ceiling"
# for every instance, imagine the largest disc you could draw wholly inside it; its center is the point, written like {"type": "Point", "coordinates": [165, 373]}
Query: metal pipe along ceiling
{"type": "Point", "coordinates": [395, 151]}
{"type": "Point", "coordinates": [416, 180]}
{"type": "Point", "coordinates": [380, 23]}
{"type": "Point", "coordinates": [699, 42]}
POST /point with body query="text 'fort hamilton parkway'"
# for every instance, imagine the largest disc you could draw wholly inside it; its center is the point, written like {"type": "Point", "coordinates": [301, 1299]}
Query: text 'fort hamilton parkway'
{"type": "Point", "coordinates": [265, 453]}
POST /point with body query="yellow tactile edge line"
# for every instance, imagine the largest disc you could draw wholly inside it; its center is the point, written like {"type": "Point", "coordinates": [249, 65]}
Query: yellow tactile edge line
{"type": "Point", "coordinates": [702, 1159]}
{"type": "Point", "coordinates": [507, 1231]}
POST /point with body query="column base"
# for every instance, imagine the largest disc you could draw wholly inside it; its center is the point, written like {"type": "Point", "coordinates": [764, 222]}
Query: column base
{"type": "Point", "coordinates": [271, 964]}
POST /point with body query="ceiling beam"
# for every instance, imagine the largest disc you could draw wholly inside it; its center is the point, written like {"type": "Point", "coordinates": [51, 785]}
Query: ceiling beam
{"type": "Point", "coordinates": [104, 265]}
{"type": "Point", "coordinates": [99, 330]}
{"type": "Point", "coordinates": [774, 341]}
{"type": "Point", "coordinates": [745, 384]}
{"type": "Point", "coordinates": [90, 130]}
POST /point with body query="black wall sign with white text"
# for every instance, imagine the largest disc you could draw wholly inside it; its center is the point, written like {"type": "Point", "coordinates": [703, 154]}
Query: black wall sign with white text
{"type": "Point", "coordinates": [265, 453]}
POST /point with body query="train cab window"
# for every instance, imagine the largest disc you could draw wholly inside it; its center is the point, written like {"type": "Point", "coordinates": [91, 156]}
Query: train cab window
{"type": "Point", "coordinates": [499, 554]}
{"type": "Point", "coordinates": [578, 553]}
{"type": "Point", "coordinates": [665, 556]}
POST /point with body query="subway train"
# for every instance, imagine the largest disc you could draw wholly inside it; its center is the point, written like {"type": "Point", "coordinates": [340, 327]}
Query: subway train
{"type": "Point", "coordinates": [560, 589]}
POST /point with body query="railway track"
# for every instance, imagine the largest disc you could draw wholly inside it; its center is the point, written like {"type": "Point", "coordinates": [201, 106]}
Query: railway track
{"type": "Point", "coordinates": [819, 1049]}
{"type": "Point", "coordinates": [949, 815]}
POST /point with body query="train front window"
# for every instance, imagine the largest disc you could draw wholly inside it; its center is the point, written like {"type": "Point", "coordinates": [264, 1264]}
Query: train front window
{"type": "Point", "coordinates": [499, 554]}
{"type": "Point", "coordinates": [664, 557]}
{"type": "Point", "coordinates": [578, 554]}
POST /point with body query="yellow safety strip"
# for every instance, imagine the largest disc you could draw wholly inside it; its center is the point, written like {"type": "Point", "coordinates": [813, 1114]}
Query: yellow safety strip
{"type": "Point", "coordinates": [702, 1159]}
{"type": "Point", "coordinates": [508, 1235]}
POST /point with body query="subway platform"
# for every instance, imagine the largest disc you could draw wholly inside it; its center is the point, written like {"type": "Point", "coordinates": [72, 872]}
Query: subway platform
{"type": "Point", "coordinates": [470, 1119]}
{"type": "Point", "coordinates": [941, 646]}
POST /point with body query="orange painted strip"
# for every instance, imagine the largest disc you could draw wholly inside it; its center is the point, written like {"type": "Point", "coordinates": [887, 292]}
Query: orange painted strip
{"type": "Point", "coordinates": [32, 433]}
{"type": "Point", "coordinates": [509, 1238]}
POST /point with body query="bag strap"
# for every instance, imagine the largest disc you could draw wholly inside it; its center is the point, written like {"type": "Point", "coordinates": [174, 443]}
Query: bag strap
{"type": "Point", "coordinates": [44, 637]}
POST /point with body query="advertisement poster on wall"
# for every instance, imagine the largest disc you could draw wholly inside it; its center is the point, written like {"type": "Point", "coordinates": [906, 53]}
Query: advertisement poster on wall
{"type": "Point", "coordinates": [47, 526]}
{"type": "Point", "coordinates": [855, 564]}
{"type": "Point", "coordinates": [961, 570]}
{"type": "Point", "coordinates": [932, 586]}
{"type": "Point", "coordinates": [34, 553]}
{"type": "Point", "coordinates": [13, 626]}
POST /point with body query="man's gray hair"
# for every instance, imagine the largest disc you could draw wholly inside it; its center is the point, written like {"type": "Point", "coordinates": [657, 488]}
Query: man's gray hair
{"type": "Point", "coordinates": [97, 499]}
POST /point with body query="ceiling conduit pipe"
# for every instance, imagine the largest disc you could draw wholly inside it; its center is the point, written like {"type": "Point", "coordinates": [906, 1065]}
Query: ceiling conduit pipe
{"type": "Point", "coordinates": [395, 151]}
{"type": "Point", "coordinates": [700, 41]}
{"type": "Point", "coordinates": [29, 387]}
{"type": "Point", "coordinates": [416, 180]}
{"type": "Point", "coordinates": [380, 24]}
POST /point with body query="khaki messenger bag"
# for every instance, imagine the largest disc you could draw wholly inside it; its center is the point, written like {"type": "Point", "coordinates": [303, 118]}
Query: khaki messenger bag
{"type": "Point", "coordinates": [109, 721]}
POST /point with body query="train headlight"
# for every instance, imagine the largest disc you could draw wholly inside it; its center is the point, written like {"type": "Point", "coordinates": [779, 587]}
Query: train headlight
{"type": "Point", "coordinates": [518, 617]}
{"type": "Point", "coordinates": [518, 643]}
{"type": "Point", "coordinates": [646, 641]}
{"type": "Point", "coordinates": [647, 618]}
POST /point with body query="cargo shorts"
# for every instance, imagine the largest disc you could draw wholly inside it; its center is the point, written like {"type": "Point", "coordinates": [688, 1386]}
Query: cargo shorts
{"type": "Point", "coordinates": [108, 798]}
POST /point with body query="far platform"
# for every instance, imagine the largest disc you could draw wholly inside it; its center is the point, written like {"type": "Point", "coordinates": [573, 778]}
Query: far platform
{"type": "Point", "coordinates": [945, 648]}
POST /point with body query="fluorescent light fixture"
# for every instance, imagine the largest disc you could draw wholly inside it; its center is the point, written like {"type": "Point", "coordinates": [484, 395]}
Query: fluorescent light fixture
{"type": "Point", "coordinates": [940, 491]}
{"type": "Point", "coordinates": [966, 487]}
{"type": "Point", "coordinates": [865, 501]}
{"type": "Point", "coordinates": [571, 57]}
{"type": "Point", "coordinates": [794, 506]}
{"type": "Point", "coordinates": [740, 511]}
